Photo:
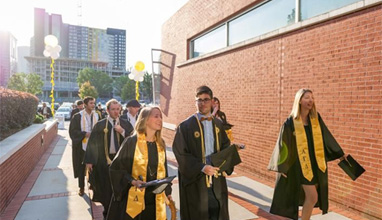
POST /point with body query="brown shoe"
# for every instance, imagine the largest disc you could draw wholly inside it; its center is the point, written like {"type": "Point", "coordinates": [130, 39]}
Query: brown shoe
{"type": "Point", "coordinates": [81, 192]}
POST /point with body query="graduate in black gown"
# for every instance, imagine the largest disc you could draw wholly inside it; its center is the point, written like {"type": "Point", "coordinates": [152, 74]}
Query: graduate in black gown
{"type": "Point", "coordinates": [300, 157]}
{"type": "Point", "coordinates": [104, 142]}
{"type": "Point", "coordinates": [142, 158]}
{"type": "Point", "coordinates": [80, 128]}
{"type": "Point", "coordinates": [202, 195]}
{"type": "Point", "coordinates": [218, 114]}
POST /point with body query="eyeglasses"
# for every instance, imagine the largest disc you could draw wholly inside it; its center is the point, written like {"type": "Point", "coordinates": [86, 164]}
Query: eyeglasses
{"type": "Point", "coordinates": [200, 101]}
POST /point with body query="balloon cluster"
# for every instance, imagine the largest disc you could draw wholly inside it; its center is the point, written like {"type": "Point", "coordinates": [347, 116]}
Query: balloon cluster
{"type": "Point", "coordinates": [137, 72]}
{"type": "Point", "coordinates": [52, 49]}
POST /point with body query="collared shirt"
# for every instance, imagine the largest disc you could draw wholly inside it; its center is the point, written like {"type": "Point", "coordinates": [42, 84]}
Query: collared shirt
{"type": "Point", "coordinates": [89, 123]}
{"type": "Point", "coordinates": [112, 147]}
{"type": "Point", "coordinates": [131, 119]}
{"type": "Point", "coordinates": [208, 134]}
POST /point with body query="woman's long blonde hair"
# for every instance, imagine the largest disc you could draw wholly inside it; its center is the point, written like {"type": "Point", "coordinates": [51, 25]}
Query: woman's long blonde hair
{"type": "Point", "coordinates": [140, 126]}
{"type": "Point", "coordinates": [296, 109]}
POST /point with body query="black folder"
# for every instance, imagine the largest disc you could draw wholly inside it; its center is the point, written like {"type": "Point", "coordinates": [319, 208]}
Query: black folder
{"type": "Point", "coordinates": [226, 159]}
{"type": "Point", "coordinates": [159, 185]}
{"type": "Point", "coordinates": [351, 167]}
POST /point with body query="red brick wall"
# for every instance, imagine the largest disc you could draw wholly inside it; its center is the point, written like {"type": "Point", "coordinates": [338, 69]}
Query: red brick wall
{"type": "Point", "coordinates": [340, 60]}
{"type": "Point", "coordinates": [16, 169]}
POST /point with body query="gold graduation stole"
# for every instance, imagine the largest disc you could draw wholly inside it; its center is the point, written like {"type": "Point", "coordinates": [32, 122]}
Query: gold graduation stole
{"type": "Point", "coordinates": [84, 124]}
{"type": "Point", "coordinates": [106, 144]}
{"type": "Point", "coordinates": [136, 196]}
{"type": "Point", "coordinates": [217, 130]}
{"type": "Point", "coordinates": [302, 146]}
{"type": "Point", "coordinates": [229, 134]}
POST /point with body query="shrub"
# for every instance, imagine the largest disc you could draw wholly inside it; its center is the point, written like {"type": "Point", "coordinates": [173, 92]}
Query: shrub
{"type": "Point", "coordinates": [17, 109]}
{"type": "Point", "coordinates": [39, 119]}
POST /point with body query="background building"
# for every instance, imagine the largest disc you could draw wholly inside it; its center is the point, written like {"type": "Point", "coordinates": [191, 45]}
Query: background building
{"type": "Point", "coordinates": [255, 55]}
{"type": "Point", "coordinates": [100, 49]}
{"type": "Point", "coordinates": [8, 57]}
{"type": "Point", "coordinates": [22, 64]}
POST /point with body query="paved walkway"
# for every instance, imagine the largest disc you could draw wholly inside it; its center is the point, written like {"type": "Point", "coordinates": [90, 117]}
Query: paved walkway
{"type": "Point", "coordinates": [50, 192]}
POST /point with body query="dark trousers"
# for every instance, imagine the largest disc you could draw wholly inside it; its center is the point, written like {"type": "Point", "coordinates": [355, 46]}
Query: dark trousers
{"type": "Point", "coordinates": [213, 205]}
{"type": "Point", "coordinates": [81, 177]}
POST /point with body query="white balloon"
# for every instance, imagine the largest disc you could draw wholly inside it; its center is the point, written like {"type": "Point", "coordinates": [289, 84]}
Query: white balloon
{"type": "Point", "coordinates": [51, 40]}
{"type": "Point", "coordinates": [131, 76]}
{"type": "Point", "coordinates": [141, 74]}
{"type": "Point", "coordinates": [140, 79]}
{"type": "Point", "coordinates": [134, 72]}
{"type": "Point", "coordinates": [55, 56]}
{"type": "Point", "coordinates": [46, 53]}
{"type": "Point", "coordinates": [136, 78]}
{"type": "Point", "coordinates": [57, 49]}
{"type": "Point", "coordinates": [48, 48]}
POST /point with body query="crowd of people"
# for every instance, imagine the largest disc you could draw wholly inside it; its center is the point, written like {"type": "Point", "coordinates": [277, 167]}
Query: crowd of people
{"type": "Point", "coordinates": [123, 151]}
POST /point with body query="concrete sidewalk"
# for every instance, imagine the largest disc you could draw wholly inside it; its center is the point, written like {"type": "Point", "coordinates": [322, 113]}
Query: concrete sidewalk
{"type": "Point", "coordinates": [50, 192]}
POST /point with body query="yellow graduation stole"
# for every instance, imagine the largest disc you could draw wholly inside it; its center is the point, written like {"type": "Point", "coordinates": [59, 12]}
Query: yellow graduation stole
{"type": "Point", "coordinates": [217, 130]}
{"type": "Point", "coordinates": [302, 146]}
{"type": "Point", "coordinates": [106, 144]}
{"type": "Point", "coordinates": [136, 196]}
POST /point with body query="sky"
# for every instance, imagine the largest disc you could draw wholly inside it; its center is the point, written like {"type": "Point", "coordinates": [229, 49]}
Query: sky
{"type": "Point", "coordinates": [142, 20]}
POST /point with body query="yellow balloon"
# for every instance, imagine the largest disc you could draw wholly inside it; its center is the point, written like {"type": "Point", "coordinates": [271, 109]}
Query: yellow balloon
{"type": "Point", "coordinates": [139, 66]}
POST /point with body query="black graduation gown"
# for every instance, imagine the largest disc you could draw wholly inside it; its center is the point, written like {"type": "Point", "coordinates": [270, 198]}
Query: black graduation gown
{"type": "Point", "coordinates": [288, 194]}
{"type": "Point", "coordinates": [73, 112]}
{"type": "Point", "coordinates": [193, 191]}
{"type": "Point", "coordinates": [120, 176]}
{"type": "Point", "coordinates": [77, 136]}
{"type": "Point", "coordinates": [95, 154]}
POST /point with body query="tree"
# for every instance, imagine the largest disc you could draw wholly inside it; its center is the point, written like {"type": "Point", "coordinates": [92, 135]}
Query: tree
{"type": "Point", "coordinates": [31, 83]}
{"type": "Point", "coordinates": [100, 80]}
{"type": "Point", "coordinates": [146, 86]}
{"type": "Point", "coordinates": [35, 84]}
{"type": "Point", "coordinates": [18, 82]}
{"type": "Point", "coordinates": [87, 89]}
{"type": "Point", "coordinates": [128, 90]}
{"type": "Point", "coordinates": [119, 83]}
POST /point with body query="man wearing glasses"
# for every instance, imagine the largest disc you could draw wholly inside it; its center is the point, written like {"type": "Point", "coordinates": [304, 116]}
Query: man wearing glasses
{"type": "Point", "coordinates": [203, 194]}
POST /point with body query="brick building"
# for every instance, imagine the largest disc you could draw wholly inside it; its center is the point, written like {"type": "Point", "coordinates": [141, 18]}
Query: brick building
{"type": "Point", "coordinates": [255, 65]}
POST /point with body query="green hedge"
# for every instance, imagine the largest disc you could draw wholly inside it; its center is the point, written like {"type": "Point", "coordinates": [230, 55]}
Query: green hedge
{"type": "Point", "coordinates": [17, 109]}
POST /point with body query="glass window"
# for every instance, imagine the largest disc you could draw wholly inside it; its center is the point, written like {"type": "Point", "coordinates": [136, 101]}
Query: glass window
{"type": "Point", "coordinates": [263, 19]}
{"type": "Point", "coordinates": [311, 8]}
{"type": "Point", "coordinates": [209, 42]}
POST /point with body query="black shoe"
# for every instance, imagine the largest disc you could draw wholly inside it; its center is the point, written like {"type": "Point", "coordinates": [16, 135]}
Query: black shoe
{"type": "Point", "coordinates": [81, 192]}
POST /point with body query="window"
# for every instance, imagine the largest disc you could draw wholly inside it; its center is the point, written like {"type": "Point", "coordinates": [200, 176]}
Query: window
{"type": "Point", "coordinates": [209, 42]}
{"type": "Point", "coordinates": [268, 17]}
{"type": "Point", "coordinates": [263, 18]}
{"type": "Point", "coordinates": [311, 8]}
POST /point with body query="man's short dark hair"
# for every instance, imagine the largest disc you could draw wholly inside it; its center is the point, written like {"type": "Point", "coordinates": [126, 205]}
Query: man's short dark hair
{"type": "Point", "coordinates": [79, 102]}
{"type": "Point", "coordinates": [203, 90]}
{"type": "Point", "coordinates": [87, 99]}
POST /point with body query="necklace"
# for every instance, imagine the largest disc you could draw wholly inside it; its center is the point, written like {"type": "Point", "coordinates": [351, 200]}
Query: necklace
{"type": "Point", "coordinates": [151, 173]}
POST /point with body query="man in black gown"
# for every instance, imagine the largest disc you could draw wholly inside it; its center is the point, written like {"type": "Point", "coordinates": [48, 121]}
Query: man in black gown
{"type": "Point", "coordinates": [79, 130]}
{"type": "Point", "coordinates": [79, 107]}
{"type": "Point", "coordinates": [203, 195]}
{"type": "Point", "coordinates": [104, 142]}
